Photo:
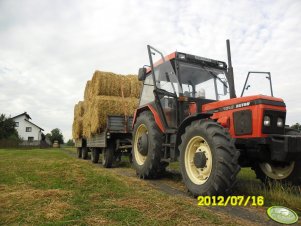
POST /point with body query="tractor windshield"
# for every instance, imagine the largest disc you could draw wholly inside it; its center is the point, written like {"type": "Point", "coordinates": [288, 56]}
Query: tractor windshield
{"type": "Point", "coordinates": [203, 82]}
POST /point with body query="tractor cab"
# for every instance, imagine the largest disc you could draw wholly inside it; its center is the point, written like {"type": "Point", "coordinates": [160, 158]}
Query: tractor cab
{"type": "Point", "coordinates": [182, 83]}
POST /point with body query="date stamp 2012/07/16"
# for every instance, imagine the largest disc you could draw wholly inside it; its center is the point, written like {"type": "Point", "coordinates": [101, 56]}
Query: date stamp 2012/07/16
{"type": "Point", "coordinates": [239, 200]}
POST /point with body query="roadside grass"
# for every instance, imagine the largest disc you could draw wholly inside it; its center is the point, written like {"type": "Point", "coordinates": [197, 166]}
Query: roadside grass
{"type": "Point", "coordinates": [275, 194]}
{"type": "Point", "coordinates": [49, 187]}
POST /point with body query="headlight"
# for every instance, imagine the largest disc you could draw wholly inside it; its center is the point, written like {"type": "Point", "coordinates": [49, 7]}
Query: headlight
{"type": "Point", "coordinates": [266, 121]}
{"type": "Point", "coordinates": [280, 122]}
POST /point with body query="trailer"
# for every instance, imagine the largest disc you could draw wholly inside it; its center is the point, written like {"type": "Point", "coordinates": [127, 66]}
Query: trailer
{"type": "Point", "coordinates": [113, 142]}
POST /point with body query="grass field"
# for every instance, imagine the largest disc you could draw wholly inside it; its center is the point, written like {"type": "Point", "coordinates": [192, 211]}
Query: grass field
{"type": "Point", "coordinates": [50, 187]}
{"type": "Point", "coordinates": [42, 187]}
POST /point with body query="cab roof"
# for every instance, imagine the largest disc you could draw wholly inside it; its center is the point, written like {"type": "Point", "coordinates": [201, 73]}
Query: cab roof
{"type": "Point", "coordinates": [191, 59]}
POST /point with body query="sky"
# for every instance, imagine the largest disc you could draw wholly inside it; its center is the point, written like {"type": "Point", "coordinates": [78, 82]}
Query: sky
{"type": "Point", "coordinates": [50, 48]}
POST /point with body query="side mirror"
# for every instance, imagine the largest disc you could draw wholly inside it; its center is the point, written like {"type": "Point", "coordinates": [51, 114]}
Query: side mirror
{"type": "Point", "coordinates": [141, 74]}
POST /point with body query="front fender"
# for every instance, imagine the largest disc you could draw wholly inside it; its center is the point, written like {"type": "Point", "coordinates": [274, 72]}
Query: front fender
{"type": "Point", "coordinates": [187, 121]}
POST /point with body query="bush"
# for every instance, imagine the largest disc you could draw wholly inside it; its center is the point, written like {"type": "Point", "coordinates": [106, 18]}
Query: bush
{"type": "Point", "coordinates": [9, 136]}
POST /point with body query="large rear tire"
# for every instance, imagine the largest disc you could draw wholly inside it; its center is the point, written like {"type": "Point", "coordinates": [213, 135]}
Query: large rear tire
{"type": "Point", "coordinates": [285, 173]}
{"type": "Point", "coordinates": [208, 159]}
{"type": "Point", "coordinates": [147, 146]}
{"type": "Point", "coordinates": [108, 156]}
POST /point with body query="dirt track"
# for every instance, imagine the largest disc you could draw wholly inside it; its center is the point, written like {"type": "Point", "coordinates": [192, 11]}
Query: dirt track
{"type": "Point", "coordinates": [171, 184]}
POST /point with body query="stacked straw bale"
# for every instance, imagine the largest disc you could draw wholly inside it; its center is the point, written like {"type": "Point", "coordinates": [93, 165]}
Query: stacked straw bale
{"type": "Point", "coordinates": [105, 94]}
{"type": "Point", "coordinates": [110, 84]}
{"type": "Point", "coordinates": [102, 106]}
{"type": "Point", "coordinates": [77, 126]}
{"type": "Point", "coordinates": [88, 91]}
{"type": "Point", "coordinates": [87, 121]}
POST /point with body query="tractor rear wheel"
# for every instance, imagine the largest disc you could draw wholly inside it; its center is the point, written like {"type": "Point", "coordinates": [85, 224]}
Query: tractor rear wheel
{"type": "Point", "coordinates": [208, 159]}
{"type": "Point", "coordinates": [79, 153]}
{"type": "Point", "coordinates": [147, 146]}
{"type": "Point", "coordinates": [85, 153]}
{"type": "Point", "coordinates": [108, 155]}
{"type": "Point", "coordinates": [95, 155]}
{"type": "Point", "coordinates": [285, 173]}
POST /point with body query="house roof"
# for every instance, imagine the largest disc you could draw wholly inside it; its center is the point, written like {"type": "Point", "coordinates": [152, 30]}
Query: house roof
{"type": "Point", "coordinates": [34, 124]}
{"type": "Point", "coordinates": [25, 113]}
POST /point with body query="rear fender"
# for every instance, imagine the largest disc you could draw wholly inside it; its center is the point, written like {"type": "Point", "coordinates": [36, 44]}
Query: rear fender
{"type": "Point", "coordinates": [187, 121]}
{"type": "Point", "coordinates": [153, 111]}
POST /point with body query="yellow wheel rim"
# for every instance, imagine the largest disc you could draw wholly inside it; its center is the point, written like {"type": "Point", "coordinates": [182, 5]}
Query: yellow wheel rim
{"type": "Point", "coordinates": [198, 175]}
{"type": "Point", "coordinates": [277, 172]}
{"type": "Point", "coordinates": [140, 159]}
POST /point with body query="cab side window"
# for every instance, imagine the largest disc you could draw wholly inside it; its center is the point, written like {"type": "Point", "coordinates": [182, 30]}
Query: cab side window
{"type": "Point", "coordinates": [147, 95]}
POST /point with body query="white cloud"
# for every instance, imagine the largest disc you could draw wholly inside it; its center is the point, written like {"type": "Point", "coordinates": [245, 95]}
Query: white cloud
{"type": "Point", "coordinates": [49, 49]}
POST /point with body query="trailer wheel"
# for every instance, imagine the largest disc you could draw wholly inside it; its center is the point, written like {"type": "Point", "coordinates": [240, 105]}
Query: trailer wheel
{"type": "Point", "coordinates": [95, 155]}
{"type": "Point", "coordinates": [85, 153]}
{"type": "Point", "coordinates": [79, 152]}
{"type": "Point", "coordinates": [208, 159]}
{"type": "Point", "coordinates": [108, 156]}
{"type": "Point", "coordinates": [285, 173]}
{"type": "Point", "coordinates": [147, 146]}
{"type": "Point", "coordinates": [117, 157]}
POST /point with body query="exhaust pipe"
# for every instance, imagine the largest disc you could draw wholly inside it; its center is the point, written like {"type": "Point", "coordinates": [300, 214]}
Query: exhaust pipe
{"type": "Point", "coordinates": [230, 72]}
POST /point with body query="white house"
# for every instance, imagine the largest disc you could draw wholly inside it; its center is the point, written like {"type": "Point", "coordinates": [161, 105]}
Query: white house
{"type": "Point", "coordinates": [27, 130]}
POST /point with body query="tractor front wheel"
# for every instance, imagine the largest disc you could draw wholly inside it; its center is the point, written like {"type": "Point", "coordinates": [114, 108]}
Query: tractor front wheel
{"type": "Point", "coordinates": [285, 173]}
{"type": "Point", "coordinates": [208, 159]}
{"type": "Point", "coordinates": [147, 146]}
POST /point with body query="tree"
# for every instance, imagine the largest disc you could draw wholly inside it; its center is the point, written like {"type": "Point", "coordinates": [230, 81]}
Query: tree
{"type": "Point", "coordinates": [7, 128]}
{"type": "Point", "coordinates": [296, 126]}
{"type": "Point", "coordinates": [70, 143]}
{"type": "Point", "coordinates": [55, 134]}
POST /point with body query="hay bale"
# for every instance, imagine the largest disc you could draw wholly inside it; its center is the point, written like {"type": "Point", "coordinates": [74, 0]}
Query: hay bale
{"type": "Point", "coordinates": [135, 84]}
{"type": "Point", "coordinates": [88, 91]}
{"type": "Point", "coordinates": [105, 83]}
{"type": "Point", "coordinates": [106, 94]}
{"type": "Point", "coordinates": [87, 120]}
{"type": "Point", "coordinates": [79, 109]}
{"type": "Point", "coordinates": [110, 84]}
{"type": "Point", "coordinates": [77, 128]}
{"type": "Point", "coordinates": [102, 106]}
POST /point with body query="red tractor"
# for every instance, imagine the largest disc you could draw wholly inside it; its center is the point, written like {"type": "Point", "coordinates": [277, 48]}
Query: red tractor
{"type": "Point", "coordinates": [185, 115]}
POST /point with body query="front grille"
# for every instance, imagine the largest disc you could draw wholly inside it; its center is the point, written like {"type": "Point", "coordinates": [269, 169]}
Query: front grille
{"type": "Point", "coordinates": [273, 128]}
{"type": "Point", "coordinates": [243, 122]}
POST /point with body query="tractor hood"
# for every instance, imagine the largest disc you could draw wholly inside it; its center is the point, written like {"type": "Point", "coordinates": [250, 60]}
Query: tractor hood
{"type": "Point", "coordinates": [230, 104]}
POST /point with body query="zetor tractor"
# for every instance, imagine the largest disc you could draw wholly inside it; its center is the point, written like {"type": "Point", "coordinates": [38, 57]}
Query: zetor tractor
{"type": "Point", "coordinates": [184, 114]}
